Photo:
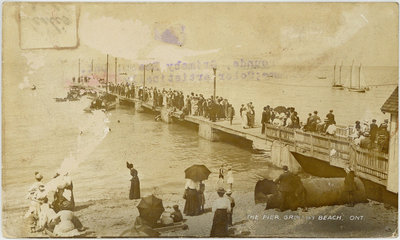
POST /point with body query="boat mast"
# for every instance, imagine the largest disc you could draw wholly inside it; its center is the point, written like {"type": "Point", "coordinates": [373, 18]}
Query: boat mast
{"type": "Point", "coordinates": [334, 77]}
{"type": "Point", "coordinates": [359, 77]}
{"type": "Point", "coordinates": [351, 73]}
{"type": "Point", "coordinates": [340, 74]}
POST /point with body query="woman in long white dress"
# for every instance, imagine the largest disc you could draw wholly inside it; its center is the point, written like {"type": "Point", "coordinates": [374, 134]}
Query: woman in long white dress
{"type": "Point", "coordinates": [244, 118]}
{"type": "Point", "coordinates": [229, 178]}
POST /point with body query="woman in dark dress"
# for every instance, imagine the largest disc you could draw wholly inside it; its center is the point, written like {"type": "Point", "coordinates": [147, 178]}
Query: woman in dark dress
{"type": "Point", "coordinates": [191, 195]}
{"type": "Point", "coordinates": [350, 186]}
{"type": "Point", "coordinates": [221, 208]}
{"type": "Point", "coordinates": [134, 192]}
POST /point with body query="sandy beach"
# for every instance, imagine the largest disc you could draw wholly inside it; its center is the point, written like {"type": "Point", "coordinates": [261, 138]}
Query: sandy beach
{"type": "Point", "coordinates": [109, 218]}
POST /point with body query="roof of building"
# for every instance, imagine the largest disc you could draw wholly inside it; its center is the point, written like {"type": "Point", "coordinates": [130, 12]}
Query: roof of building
{"type": "Point", "coordinates": [392, 103]}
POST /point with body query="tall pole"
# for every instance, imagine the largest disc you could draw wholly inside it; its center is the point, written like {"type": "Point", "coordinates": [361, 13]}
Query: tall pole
{"type": "Point", "coordinates": [340, 73]}
{"type": "Point", "coordinates": [215, 82]}
{"type": "Point", "coordinates": [351, 73]}
{"type": "Point", "coordinates": [115, 71]}
{"type": "Point", "coordinates": [144, 76]}
{"type": "Point", "coordinates": [92, 68]}
{"type": "Point", "coordinates": [107, 76]}
{"type": "Point", "coordinates": [79, 70]}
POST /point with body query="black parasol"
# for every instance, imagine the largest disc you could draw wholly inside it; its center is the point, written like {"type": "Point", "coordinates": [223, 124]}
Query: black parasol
{"type": "Point", "coordinates": [150, 208]}
{"type": "Point", "coordinates": [280, 109]}
{"type": "Point", "coordinates": [197, 172]}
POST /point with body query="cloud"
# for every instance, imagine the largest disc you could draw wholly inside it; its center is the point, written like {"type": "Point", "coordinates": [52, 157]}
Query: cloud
{"type": "Point", "coordinates": [118, 38]}
{"type": "Point", "coordinates": [134, 40]}
{"type": "Point", "coordinates": [312, 40]}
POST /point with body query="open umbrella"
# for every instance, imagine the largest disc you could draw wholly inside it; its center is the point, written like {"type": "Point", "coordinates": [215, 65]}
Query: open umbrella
{"type": "Point", "coordinates": [197, 172]}
{"type": "Point", "coordinates": [150, 208]}
{"type": "Point", "coordinates": [280, 109]}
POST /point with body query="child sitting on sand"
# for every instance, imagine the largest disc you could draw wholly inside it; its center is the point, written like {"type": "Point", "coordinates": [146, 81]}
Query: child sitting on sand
{"type": "Point", "coordinates": [176, 215]}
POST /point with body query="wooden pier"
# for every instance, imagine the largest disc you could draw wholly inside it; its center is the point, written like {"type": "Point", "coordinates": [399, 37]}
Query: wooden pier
{"type": "Point", "coordinates": [337, 151]}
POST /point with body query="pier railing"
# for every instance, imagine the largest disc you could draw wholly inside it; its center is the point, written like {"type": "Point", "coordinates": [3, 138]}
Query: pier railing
{"type": "Point", "coordinates": [337, 150]}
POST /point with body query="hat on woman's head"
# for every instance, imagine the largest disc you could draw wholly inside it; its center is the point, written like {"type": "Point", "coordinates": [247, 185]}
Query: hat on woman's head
{"type": "Point", "coordinates": [38, 176]}
{"type": "Point", "coordinates": [221, 190]}
{"type": "Point", "coordinates": [41, 187]}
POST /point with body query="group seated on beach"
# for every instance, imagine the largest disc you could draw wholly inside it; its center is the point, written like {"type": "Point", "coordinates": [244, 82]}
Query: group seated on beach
{"type": "Point", "coordinates": [147, 226]}
{"type": "Point", "coordinates": [51, 208]}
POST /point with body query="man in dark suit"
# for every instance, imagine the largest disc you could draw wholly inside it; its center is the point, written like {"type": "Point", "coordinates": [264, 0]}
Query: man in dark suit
{"type": "Point", "coordinates": [373, 131]}
{"type": "Point", "coordinates": [266, 115]}
{"type": "Point", "coordinates": [285, 187]}
{"type": "Point", "coordinates": [331, 118]}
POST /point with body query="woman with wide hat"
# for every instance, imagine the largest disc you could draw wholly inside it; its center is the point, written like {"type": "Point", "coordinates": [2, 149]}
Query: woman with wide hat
{"type": "Point", "coordinates": [221, 208]}
{"type": "Point", "coordinates": [134, 192]}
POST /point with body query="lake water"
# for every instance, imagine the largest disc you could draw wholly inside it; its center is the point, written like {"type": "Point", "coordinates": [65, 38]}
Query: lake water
{"type": "Point", "coordinates": [39, 134]}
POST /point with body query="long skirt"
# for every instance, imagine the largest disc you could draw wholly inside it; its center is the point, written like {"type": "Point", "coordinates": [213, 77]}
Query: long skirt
{"type": "Point", "coordinates": [220, 224]}
{"type": "Point", "coordinates": [250, 118]}
{"type": "Point", "coordinates": [202, 200]}
{"type": "Point", "coordinates": [192, 205]}
{"type": "Point", "coordinates": [244, 120]}
{"type": "Point", "coordinates": [134, 193]}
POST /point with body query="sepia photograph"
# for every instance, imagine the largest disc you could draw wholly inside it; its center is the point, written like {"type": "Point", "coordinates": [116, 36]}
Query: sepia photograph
{"type": "Point", "coordinates": [200, 119]}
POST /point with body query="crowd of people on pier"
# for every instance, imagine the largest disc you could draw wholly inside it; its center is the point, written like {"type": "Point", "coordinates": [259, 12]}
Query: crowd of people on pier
{"type": "Point", "coordinates": [366, 135]}
{"type": "Point", "coordinates": [126, 90]}
{"type": "Point", "coordinates": [370, 136]}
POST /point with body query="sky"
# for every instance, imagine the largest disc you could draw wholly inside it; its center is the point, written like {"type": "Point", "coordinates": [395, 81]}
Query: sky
{"type": "Point", "coordinates": [285, 33]}
{"type": "Point", "coordinates": [305, 34]}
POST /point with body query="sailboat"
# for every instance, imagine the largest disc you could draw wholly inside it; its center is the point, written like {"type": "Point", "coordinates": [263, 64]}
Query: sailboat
{"type": "Point", "coordinates": [358, 88]}
{"type": "Point", "coordinates": [337, 85]}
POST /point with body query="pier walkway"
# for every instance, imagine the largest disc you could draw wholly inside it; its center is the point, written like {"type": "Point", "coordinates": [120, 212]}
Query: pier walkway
{"type": "Point", "coordinates": [338, 151]}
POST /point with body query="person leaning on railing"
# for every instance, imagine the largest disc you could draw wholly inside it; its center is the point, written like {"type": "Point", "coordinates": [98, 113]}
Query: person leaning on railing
{"type": "Point", "coordinates": [383, 137]}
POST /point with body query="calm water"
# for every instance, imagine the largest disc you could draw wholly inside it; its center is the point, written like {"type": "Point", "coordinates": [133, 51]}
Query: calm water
{"type": "Point", "coordinates": [40, 133]}
{"type": "Point", "coordinates": [160, 152]}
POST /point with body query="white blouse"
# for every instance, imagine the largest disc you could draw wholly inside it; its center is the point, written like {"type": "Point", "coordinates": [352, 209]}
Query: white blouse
{"type": "Point", "coordinates": [192, 184]}
{"type": "Point", "coordinates": [222, 203]}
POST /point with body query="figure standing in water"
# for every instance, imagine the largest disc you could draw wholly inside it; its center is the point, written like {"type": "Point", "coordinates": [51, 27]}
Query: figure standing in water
{"type": "Point", "coordinates": [229, 177]}
{"type": "Point", "coordinates": [134, 192]}
{"type": "Point", "coordinates": [221, 175]}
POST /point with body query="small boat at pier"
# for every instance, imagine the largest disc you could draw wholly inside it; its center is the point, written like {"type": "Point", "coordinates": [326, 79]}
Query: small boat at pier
{"type": "Point", "coordinates": [107, 102]}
